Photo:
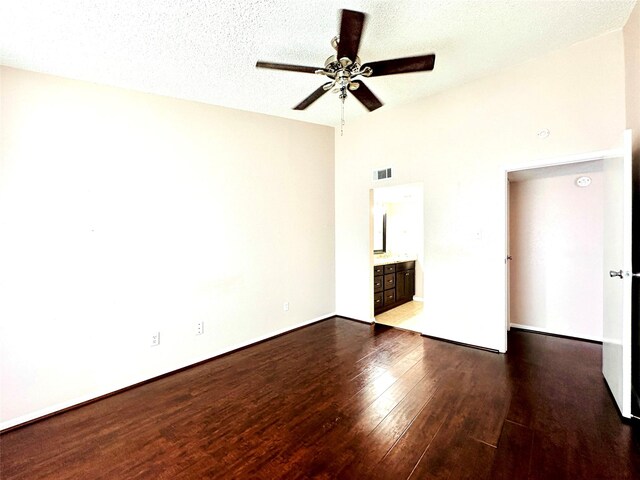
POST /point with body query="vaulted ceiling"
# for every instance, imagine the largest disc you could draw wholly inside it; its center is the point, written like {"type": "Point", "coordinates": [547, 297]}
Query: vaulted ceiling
{"type": "Point", "coordinates": [207, 50]}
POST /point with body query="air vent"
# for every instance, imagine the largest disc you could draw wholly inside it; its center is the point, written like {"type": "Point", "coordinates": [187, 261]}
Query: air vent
{"type": "Point", "coordinates": [382, 174]}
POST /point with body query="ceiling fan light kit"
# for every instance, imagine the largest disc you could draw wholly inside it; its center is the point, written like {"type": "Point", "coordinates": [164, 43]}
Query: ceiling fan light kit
{"type": "Point", "coordinates": [343, 68]}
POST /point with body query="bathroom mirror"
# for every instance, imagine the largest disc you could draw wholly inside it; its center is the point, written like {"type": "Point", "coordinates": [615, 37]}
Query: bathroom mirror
{"type": "Point", "coordinates": [379, 230]}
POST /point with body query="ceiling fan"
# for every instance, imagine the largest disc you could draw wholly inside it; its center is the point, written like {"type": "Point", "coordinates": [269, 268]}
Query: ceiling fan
{"type": "Point", "coordinates": [345, 66]}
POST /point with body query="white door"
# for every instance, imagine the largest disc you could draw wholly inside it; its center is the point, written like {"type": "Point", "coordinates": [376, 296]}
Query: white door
{"type": "Point", "coordinates": [507, 259]}
{"type": "Point", "coordinates": [616, 345]}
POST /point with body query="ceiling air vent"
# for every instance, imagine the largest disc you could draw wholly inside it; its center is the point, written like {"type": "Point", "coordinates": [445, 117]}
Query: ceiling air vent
{"type": "Point", "coordinates": [382, 174]}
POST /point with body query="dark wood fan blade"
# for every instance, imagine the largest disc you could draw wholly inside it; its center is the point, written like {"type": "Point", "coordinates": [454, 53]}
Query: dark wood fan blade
{"type": "Point", "coordinates": [350, 32]}
{"type": "Point", "coordinates": [366, 96]}
{"type": "Point", "coordinates": [312, 98]}
{"type": "Point", "coordinates": [285, 66]}
{"type": "Point", "coordinates": [402, 65]}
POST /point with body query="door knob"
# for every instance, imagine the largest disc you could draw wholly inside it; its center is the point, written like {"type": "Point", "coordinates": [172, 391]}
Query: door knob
{"type": "Point", "coordinates": [613, 273]}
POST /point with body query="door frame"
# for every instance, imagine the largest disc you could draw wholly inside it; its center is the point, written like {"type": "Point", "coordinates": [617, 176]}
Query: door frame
{"type": "Point", "coordinates": [420, 254]}
{"type": "Point", "coordinates": [533, 165]}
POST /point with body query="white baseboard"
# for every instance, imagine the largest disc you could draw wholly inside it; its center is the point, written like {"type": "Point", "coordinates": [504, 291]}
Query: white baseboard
{"type": "Point", "coordinates": [115, 388]}
{"type": "Point", "coordinates": [418, 299]}
{"type": "Point", "coordinates": [554, 332]}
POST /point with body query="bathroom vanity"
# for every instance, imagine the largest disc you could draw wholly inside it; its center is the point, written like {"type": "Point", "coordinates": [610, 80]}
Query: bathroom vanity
{"type": "Point", "coordinates": [394, 283]}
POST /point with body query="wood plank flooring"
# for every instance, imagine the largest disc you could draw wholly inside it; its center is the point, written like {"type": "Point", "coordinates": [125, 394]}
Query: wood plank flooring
{"type": "Point", "coordinates": [340, 399]}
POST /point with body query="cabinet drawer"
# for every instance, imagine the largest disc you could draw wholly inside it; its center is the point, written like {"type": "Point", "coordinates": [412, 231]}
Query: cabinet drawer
{"type": "Point", "coordinates": [390, 268]}
{"type": "Point", "coordinates": [389, 281]}
{"type": "Point", "coordinates": [378, 300]}
{"type": "Point", "coordinates": [389, 297]}
{"type": "Point", "coordinates": [401, 267]}
{"type": "Point", "coordinates": [378, 284]}
{"type": "Point", "coordinates": [378, 270]}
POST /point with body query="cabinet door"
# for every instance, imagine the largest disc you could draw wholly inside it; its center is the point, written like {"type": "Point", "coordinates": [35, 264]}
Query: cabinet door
{"type": "Point", "coordinates": [405, 285]}
{"type": "Point", "coordinates": [401, 286]}
{"type": "Point", "coordinates": [411, 284]}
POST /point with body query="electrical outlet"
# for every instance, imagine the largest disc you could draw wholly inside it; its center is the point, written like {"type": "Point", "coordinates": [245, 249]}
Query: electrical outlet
{"type": "Point", "coordinates": [199, 327]}
{"type": "Point", "coordinates": [155, 339]}
{"type": "Point", "coordinates": [285, 306]}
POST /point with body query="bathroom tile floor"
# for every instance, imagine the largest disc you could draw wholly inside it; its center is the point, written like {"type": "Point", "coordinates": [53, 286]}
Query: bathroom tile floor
{"type": "Point", "coordinates": [409, 316]}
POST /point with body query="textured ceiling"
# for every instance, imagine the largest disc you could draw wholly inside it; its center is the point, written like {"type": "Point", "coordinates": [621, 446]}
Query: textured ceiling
{"type": "Point", "coordinates": [206, 50]}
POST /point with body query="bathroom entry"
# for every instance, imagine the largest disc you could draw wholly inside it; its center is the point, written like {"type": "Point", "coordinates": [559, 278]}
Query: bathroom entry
{"type": "Point", "coordinates": [398, 255]}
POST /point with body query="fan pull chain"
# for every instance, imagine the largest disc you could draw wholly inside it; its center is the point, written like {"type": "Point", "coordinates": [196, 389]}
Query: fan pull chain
{"type": "Point", "coordinates": [343, 96]}
{"type": "Point", "coordinates": [342, 119]}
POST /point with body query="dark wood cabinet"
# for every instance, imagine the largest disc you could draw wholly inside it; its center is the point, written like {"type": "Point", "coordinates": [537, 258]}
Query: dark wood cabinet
{"type": "Point", "coordinates": [393, 285]}
{"type": "Point", "coordinates": [389, 281]}
{"type": "Point", "coordinates": [378, 284]}
{"type": "Point", "coordinates": [377, 300]}
{"type": "Point", "coordinates": [405, 285]}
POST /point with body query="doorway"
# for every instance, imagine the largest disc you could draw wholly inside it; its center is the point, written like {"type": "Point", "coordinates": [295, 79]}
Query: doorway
{"type": "Point", "coordinates": [555, 249]}
{"type": "Point", "coordinates": [617, 275]}
{"type": "Point", "coordinates": [397, 249]}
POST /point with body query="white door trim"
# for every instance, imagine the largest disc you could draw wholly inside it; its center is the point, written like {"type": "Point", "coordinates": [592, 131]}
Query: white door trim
{"type": "Point", "coordinates": [531, 165]}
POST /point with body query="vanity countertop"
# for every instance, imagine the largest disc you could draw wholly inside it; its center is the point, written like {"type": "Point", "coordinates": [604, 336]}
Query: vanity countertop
{"type": "Point", "coordinates": [393, 259]}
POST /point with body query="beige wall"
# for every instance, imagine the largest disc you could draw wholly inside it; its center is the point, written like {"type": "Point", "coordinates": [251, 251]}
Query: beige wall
{"type": "Point", "coordinates": [556, 241]}
{"type": "Point", "coordinates": [632, 72]}
{"type": "Point", "coordinates": [459, 144]}
{"type": "Point", "coordinates": [631, 33]}
{"type": "Point", "coordinates": [123, 214]}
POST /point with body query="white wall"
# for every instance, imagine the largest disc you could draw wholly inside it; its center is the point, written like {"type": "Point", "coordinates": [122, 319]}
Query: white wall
{"type": "Point", "coordinates": [632, 80]}
{"type": "Point", "coordinates": [556, 241]}
{"type": "Point", "coordinates": [122, 214]}
{"type": "Point", "coordinates": [402, 236]}
{"type": "Point", "coordinates": [459, 144]}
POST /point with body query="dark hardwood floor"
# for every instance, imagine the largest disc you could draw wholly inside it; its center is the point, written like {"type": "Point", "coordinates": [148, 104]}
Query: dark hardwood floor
{"type": "Point", "coordinates": [341, 399]}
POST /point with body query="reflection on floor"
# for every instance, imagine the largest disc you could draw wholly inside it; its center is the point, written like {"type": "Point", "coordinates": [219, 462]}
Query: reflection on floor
{"type": "Point", "coordinates": [408, 316]}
